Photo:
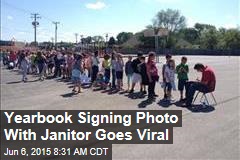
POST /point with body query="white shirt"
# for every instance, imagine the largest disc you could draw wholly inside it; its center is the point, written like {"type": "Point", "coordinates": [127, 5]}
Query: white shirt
{"type": "Point", "coordinates": [169, 74]}
{"type": "Point", "coordinates": [95, 61]}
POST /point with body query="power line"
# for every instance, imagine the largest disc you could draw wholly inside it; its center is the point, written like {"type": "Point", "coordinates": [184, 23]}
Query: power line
{"type": "Point", "coordinates": [16, 8]}
{"type": "Point", "coordinates": [24, 10]}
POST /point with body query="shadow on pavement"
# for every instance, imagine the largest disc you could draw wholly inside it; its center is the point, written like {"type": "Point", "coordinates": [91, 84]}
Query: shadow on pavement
{"type": "Point", "coordinates": [14, 82]}
{"type": "Point", "coordinates": [29, 81]}
{"type": "Point", "coordinates": [68, 95]}
{"type": "Point", "coordinates": [200, 108]}
{"type": "Point", "coordinates": [113, 92]}
{"type": "Point", "coordinates": [137, 95]}
{"type": "Point", "coordinates": [165, 103]}
{"type": "Point", "coordinates": [146, 103]}
{"type": "Point", "coordinates": [123, 92]}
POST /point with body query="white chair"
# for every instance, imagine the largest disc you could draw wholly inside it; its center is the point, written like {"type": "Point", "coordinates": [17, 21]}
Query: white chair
{"type": "Point", "coordinates": [204, 99]}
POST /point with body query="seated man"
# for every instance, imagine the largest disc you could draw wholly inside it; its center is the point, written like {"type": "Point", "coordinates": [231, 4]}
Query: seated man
{"type": "Point", "coordinates": [206, 85]}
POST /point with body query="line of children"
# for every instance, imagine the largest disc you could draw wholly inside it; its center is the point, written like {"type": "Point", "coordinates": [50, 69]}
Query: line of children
{"type": "Point", "coordinates": [137, 71]}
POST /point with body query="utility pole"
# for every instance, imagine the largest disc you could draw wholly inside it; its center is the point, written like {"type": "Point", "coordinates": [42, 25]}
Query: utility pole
{"type": "Point", "coordinates": [56, 27]}
{"type": "Point", "coordinates": [35, 24]}
{"type": "Point", "coordinates": [76, 35]}
{"type": "Point", "coordinates": [106, 43]}
{"type": "Point", "coordinates": [81, 43]}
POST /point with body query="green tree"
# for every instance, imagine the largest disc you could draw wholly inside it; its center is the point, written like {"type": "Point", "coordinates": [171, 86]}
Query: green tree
{"type": "Point", "coordinates": [111, 41]}
{"type": "Point", "coordinates": [209, 39]}
{"type": "Point", "coordinates": [232, 39]}
{"type": "Point", "coordinates": [146, 42]}
{"type": "Point", "coordinates": [124, 37]}
{"type": "Point", "coordinates": [169, 19]}
{"type": "Point", "coordinates": [189, 34]}
{"type": "Point", "coordinates": [201, 27]}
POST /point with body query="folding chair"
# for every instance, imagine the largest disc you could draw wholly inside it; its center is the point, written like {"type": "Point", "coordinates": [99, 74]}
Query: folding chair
{"type": "Point", "coordinates": [204, 99]}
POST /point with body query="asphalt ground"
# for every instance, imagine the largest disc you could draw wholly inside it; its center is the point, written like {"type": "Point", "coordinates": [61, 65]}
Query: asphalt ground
{"type": "Point", "coordinates": [207, 133]}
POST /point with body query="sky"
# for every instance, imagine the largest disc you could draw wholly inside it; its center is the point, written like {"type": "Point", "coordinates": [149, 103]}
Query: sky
{"type": "Point", "coordinates": [98, 17]}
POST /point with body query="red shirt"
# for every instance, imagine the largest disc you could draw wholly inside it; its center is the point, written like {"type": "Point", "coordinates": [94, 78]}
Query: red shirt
{"type": "Point", "coordinates": [152, 68]}
{"type": "Point", "coordinates": [13, 57]}
{"type": "Point", "coordinates": [208, 77]}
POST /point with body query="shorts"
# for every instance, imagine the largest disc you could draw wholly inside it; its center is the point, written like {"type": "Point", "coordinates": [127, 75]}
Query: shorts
{"type": "Point", "coordinates": [136, 78]}
{"type": "Point", "coordinates": [107, 74]}
{"type": "Point", "coordinates": [129, 78]}
{"type": "Point", "coordinates": [168, 86]}
{"type": "Point", "coordinates": [76, 79]}
{"type": "Point", "coordinates": [181, 84]}
{"type": "Point", "coordinates": [119, 74]}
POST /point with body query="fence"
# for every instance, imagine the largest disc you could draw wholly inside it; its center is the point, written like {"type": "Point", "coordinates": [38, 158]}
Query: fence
{"type": "Point", "coordinates": [235, 52]}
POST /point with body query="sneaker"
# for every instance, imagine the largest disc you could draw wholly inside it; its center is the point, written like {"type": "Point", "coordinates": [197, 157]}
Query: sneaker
{"type": "Point", "coordinates": [187, 105]}
{"type": "Point", "coordinates": [144, 92]}
{"type": "Point", "coordinates": [165, 96]}
{"type": "Point", "coordinates": [131, 91]}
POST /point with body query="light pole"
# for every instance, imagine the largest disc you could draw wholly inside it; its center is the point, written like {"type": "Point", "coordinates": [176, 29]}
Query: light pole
{"type": "Point", "coordinates": [56, 23]}
{"type": "Point", "coordinates": [106, 43]}
{"type": "Point", "coordinates": [81, 43]}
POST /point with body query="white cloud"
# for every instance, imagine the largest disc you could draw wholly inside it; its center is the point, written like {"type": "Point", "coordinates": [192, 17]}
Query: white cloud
{"type": "Point", "coordinates": [98, 5]}
{"type": "Point", "coordinates": [162, 1]}
{"type": "Point", "coordinates": [9, 17]}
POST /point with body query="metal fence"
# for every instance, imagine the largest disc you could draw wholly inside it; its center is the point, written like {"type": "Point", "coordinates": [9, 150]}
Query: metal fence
{"type": "Point", "coordinates": [185, 52]}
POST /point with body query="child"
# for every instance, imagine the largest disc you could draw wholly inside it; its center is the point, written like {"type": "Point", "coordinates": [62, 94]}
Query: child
{"type": "Point", "coordinates": [169, 74]}
{"type": "Point", "coordinates": [41, 63]}
{"type": "Point", "coordinates": [152, 73]}
{"type": "Point", "coordinates": [100, 81]}
{"type": "Point", "coordinates": [168, 58]}
{"type": "Point", "coordinates": [24, 66]}
{"type": "Point", "coordinates": [70, 61]}
{"type": "Point", "coordinates": [106, 64]}
{"type": "Point", "coordinates": [76, 74]}
{"type": "Point", "coordinates": [129, 71]}
{"type": "Point", "coordinates": [143, 73]}
{"type": "Point", "coordinates": [113, 66]}
{"type": "Point", "coordinates": [95, 68]}
{"type": "Point", "coordinates": [119, 71]}
{"type": "Point", "coordinates": [182, 72]}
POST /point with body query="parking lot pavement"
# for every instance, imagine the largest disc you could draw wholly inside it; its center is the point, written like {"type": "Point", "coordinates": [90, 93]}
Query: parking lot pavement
{"type": "Point", "coordinates": [206, 134]}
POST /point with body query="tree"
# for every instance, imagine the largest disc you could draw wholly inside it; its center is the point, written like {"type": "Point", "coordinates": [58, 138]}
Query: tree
{"type": "Point", "coordinates": [146, 42]}
{"type": "Point", "coordinates": [201, 27]}
{"type": "Point", "coordinates": [232, 39]}
{"type": "Point", "coordinates": [111, 41]}
{"type": "Point", "coordinates": [189, 34]}
{"type": "Point", "coordinates": [98, 40]}
{"type": "Point", "coordinates": [209, 39]}
{"type": "Point", "coordinates": [124, 37]}
{"type": "Point", "coordinates": [88, 40]}
{"type": "Point", "coordinates": [169, 19]}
